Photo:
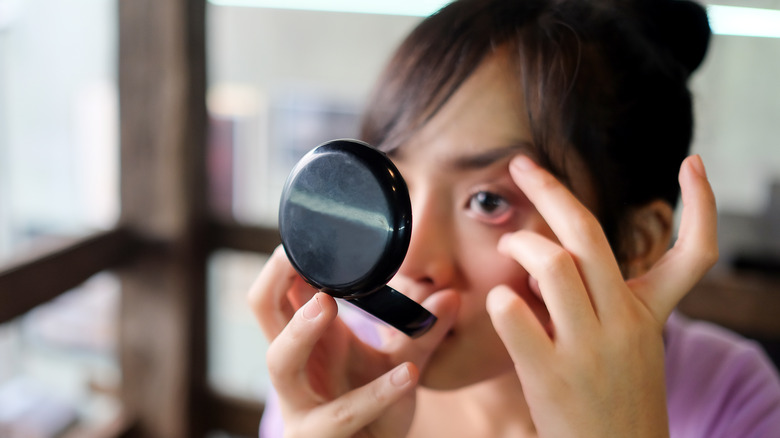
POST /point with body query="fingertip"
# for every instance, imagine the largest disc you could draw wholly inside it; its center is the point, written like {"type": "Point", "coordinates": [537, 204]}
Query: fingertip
{"type": "Point", "coordinates": [444, 305]}
{"type": "Point", "coordinates": [693, 170]}
{"type": "Point", "coordinates": [499, 299]}
{"type": "Point", "coordinates": [694, 181]}
{"type": "Point", "coordinates": [279, 258]}
{"type": "Point", "coordinates": [319, 310]}
{"type": "Point", "coordinates": [404, 375]}
{"type": "Point", "coordinates": [326, 302]}
{"type": "Point", "coordinates": [312, 309]}
{"type": "Point", "coordinates": [522, 163]}
{"type": "Point", "coordinates": [698, 182]}
{"type": "Point", "coordinates": [697, 165]}
{"type": "Point", "coordinates": [503, 242]}
{"type": "Point", "coordinates": [447, 299]}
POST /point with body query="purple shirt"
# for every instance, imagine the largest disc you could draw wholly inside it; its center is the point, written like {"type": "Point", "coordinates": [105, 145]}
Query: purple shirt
{"type": "Point", "coordinates": [719, 385]}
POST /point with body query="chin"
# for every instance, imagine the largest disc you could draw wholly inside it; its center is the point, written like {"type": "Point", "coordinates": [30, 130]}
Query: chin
{"type": "Point", "coordinates": [440, 380]}
{"type": "Point", "coordinates": [449, 370]}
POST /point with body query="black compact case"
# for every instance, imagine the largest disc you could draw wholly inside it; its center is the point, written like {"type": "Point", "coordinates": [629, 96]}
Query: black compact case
{"type": "Point", "coordinates": [345, 220]}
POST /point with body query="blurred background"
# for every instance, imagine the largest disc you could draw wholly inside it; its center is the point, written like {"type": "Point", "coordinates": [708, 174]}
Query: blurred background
{"type": "Point", "coordinates": [282, 77]}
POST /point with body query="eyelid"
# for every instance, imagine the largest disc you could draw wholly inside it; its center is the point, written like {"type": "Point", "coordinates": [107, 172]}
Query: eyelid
{"type": "Point", "coordinates": [518, 203]}
{"type": "Point", "coordinates": [505, 210]}
{"type": "Point", "coordinates": [506, 190]}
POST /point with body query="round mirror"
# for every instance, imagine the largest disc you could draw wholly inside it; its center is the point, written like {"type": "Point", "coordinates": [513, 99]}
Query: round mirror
{"type": "Point", "coordinates": [345, 220]}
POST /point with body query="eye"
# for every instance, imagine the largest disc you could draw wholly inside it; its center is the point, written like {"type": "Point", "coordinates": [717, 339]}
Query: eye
{"type": "Point", "coordinates": [489, 207]}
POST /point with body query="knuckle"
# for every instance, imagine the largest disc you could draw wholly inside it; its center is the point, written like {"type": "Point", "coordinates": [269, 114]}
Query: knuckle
{"type": "Point", "coordinates": [585, 224]}
{"type": "Point", "coordinates": [255, 295]}
{"type": "Point", "coordinates": [556, 261]}
{"type": "Point", "coordinates": [255, 301]}
{"type": "Point", "coordinates": [548, 182]}
{"type": "Point", "coordinates": [711, 256]}
{"type": "Point", "coordinates": [274, 361]}
{"type": "Point", "coordinates": [378, 394]}
{"type": "Point", "coordinates": [705, 257]}
{"type": "Point", "coordinates": [344, 415]}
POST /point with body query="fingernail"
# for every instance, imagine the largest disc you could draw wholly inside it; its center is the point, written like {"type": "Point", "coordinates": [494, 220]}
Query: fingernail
{"type": "Point", "coordinates": [698, 166]}
{"type": "Point", "coordinates": [312, 308]}
{"type": "Point", "coordinates": [400, 376]}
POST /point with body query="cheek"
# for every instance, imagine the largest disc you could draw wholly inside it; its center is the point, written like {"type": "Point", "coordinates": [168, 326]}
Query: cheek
{"type": "Point", "coordinates": [486, 268]}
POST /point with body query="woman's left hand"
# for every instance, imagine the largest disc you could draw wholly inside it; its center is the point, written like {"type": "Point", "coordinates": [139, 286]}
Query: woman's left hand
{"type": "Point", "coordinates": [599, 369]}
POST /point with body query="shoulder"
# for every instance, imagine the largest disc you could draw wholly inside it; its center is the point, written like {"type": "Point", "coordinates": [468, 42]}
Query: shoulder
{"type": "Point", "coordinates": [719, 384]}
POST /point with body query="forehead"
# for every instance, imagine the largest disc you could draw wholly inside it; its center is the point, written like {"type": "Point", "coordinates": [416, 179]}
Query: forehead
{"type": "Point", "coordinates": [485, 116]}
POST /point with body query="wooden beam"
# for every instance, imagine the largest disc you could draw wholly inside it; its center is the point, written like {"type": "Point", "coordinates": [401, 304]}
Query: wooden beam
{"type": "Point", "coordinates": [38, 278]}
{"type": "Point", "coordinates": [119, 427]}
{"type": "Point", "coordinates": [745, 302]}
{"type": "Point", "coordinates": [232, 235]}
{"type": "Point", "coordinates": [233, 415]}
{"type": "Point", "coordinates": [163, 132]}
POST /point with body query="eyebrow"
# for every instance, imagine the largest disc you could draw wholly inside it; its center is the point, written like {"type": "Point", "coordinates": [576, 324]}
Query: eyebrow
{"type": "Point", "coordinates": [486, 158]}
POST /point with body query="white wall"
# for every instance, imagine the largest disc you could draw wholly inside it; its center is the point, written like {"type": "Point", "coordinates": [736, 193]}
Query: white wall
{"type": "Point", "coordinates": [738, 109]}
{"type": "Point", "coordinates": [275, 49]}
{"type": "Point", "coordinates": [58, 118]}
{"type": "Point", "coordinates": [267, 66]}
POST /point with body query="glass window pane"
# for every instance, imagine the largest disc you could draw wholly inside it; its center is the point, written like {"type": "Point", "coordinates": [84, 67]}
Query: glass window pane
{"type": "Point", "coordinates": [58, 365]}
{"type": "Point", "coordinates": [282, 82]}
{"type": "Point", "coordinates": [58, 120]}
{"type": "Point", "coordinates": [236, 362]}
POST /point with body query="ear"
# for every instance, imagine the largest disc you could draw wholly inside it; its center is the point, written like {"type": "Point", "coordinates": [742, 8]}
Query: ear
{"type": "Point", "coordinates": [648, 234]}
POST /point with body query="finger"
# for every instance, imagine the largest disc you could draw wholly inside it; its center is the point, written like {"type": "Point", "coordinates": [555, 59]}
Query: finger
{"type": "Point", "coordinates": [575, 227]}
{"type": "Point", "coordinates": [300, 293]}
{"type": "Point", "coordinates": [356, 409]}
{"type": "Point", "coordinates": [276, 293]}
{"type": "Point", "coordinates": [695, 250]}
{"type": "Point", "coordinates": [561, 286]}
{"type": "Point", "coordinates": [288, 354]}
{"type": "Point", "coordinates": [268, 294]}
{"type": "Point", "coordinates": [401, 348]}
{"type": "Point", "coordinates": [527, 342]}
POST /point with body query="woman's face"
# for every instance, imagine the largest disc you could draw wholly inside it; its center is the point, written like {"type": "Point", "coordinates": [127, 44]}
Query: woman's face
{"type": "Point", "coordinates": [463, 201]}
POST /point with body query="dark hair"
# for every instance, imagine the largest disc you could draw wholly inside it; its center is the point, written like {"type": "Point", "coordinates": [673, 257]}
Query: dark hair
{"type": "Point", "coordinates": [606, 78]}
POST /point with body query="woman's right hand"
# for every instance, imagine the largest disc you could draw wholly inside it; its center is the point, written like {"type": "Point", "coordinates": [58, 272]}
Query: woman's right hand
{"type": "Point", "coordinates": [329, 382]}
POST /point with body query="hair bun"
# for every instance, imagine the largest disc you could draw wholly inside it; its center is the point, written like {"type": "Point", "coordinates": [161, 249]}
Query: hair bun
{"type": "Point", "coordinates": [681, 27]}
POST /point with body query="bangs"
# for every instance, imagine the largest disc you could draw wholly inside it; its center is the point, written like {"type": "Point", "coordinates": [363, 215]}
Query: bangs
{"type": "Point", "coordinates": [433, 62]}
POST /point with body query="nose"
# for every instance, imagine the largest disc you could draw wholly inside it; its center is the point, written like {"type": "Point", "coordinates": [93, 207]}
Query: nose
{"type": "Point", "coordinates": [429, 262]}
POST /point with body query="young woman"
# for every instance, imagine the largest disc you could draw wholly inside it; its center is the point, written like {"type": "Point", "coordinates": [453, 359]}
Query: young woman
{"type": "Point", "coordinates": [542, 143]}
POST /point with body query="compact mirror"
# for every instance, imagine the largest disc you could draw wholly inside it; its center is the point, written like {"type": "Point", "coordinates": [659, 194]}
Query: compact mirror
{"type": "Point", "coordinates": [345, 220]}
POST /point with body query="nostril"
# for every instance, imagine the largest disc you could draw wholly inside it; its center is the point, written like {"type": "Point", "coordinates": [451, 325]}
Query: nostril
{"type": "Point", "coordinates": [427, 280]}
